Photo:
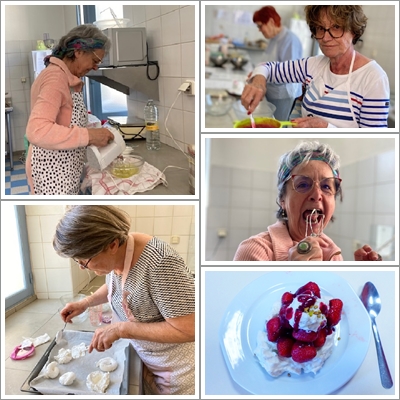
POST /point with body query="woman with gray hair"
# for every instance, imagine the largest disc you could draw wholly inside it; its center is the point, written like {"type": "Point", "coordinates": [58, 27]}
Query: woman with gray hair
{"type": "Point", "coordinates": [308, 185]}
{"type": "Point", "coordinates": [148, 286]}
{"type": "Point", "coordinates": [56, 128]}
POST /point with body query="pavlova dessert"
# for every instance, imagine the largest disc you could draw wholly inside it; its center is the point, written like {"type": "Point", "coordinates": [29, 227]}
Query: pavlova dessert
{"type": "Point", "coordinates": [300, 334]}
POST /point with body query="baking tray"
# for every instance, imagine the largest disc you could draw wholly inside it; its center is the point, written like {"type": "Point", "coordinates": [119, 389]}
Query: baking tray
{"type": "Point", "coordinates": [26, 387]}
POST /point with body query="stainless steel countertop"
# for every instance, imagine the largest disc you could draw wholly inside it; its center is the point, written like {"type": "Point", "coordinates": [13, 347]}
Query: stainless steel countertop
{"type": "Point", "coordinates": [178, 179]}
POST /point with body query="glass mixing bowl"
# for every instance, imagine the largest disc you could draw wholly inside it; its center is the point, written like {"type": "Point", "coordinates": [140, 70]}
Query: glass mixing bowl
{"type": "Point", "coordinates": [126, 166]}
{"type": "Point", "coordinates": [71, 298]}
{"type": "Point", "coordinates": [218, 102]}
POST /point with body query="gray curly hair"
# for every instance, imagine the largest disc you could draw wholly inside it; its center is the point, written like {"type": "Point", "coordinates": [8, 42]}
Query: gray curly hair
{"type": "Point", "coordinates": [86, 37]}
{"type": "Point", "coordinates": [301, 154]}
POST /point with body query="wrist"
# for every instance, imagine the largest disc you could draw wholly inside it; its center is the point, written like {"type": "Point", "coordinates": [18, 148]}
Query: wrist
{"type": "Point", "coordinates": [87, 301]}
{"type": "Point", "coordinates": [120, 329]}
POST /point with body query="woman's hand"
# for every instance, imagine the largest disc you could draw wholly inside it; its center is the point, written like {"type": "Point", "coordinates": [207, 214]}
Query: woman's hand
{"type": "Point", "coordinates": [103, 338]}
{"type": "Point", "coordinates": [366, 253]}
{"type": "Point", "coordinates": [71, 310]}
{"type": "Point", "coordinates": [315, 254]}
{"type": "Point", "coordinates": [309, 122]}
{"type": "Point", "coordinates": [253, 93]}
{"type": "Point", "coordinates": [100, 137]}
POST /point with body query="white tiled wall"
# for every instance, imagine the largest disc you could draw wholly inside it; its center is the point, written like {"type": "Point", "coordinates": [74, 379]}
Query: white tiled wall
{"type": "Point", "coordinates": [243, 203]}
{"type": "Point", "coordinates": [16, 67]}
{"type": "Point", "coordinates": [54, 276]}
{"type": "Point", "coordinates": [19, 40]}
{"type": "Point", "coordinates": [171, 31]}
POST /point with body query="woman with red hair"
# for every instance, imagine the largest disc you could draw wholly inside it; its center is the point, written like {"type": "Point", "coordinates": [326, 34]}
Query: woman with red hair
{"type": "Point", "coordinates": [283, 45]}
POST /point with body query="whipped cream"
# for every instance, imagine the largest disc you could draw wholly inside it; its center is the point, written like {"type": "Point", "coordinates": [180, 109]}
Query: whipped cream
{"type": "Point", "coordinates": [276, 365]}
{"type": "Point", "coordinates": [309, 321]}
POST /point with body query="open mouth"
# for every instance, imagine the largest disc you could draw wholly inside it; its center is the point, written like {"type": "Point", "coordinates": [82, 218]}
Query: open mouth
{"type": "Point", "coordinates": [314, 222]}
{"type": "Point", "coordinates": [313, 216]}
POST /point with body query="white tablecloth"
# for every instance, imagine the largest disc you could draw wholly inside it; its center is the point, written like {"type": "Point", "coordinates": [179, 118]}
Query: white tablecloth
{"type": "Point", "coordinates": [220, 288]}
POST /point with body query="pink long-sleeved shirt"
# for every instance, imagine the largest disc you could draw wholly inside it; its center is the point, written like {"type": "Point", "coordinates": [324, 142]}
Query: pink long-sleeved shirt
{"type": "Point", "coordinates": [274, 245]}
{"type": "Point", "coordinates": [51, 109]}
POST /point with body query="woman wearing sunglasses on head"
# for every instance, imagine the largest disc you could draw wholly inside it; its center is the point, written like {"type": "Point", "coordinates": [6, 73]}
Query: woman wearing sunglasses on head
{"type": "Point", "coordinates": [308, 185]}
{"type": "Point", "coordinates": [343, 88]}
{"type": "Point", "coordinates": [56, 127]}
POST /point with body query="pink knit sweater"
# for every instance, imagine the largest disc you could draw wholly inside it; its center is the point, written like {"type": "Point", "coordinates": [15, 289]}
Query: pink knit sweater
{"type": "Point", "coordinates": [274, 245]}
{"type": "Point", "coordinates": [51, 109]}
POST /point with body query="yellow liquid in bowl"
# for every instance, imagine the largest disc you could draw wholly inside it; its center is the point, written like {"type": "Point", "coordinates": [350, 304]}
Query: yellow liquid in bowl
{"type": "Point", "coordinates": [124, 172]}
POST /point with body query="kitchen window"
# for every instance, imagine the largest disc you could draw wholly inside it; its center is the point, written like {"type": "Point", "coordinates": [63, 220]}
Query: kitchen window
{"type": "Point", "coordinates": [16, 279]}
{"type": "Point", "coordinates": [103, 101]}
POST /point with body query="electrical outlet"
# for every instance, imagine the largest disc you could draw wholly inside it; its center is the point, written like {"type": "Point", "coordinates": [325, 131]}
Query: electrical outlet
{"type": "Point", "coordinates": [191, 89]}
{"type": "Point", "coordinates": [222, 232]}
{"type": "Point", "coordinates": [175, 239]}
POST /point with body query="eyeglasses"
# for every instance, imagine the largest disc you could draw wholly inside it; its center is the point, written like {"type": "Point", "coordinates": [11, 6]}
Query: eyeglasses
{"type": "Point", "coordinates": [304, 184]}
{"type": "Point", "coordinates": [97, 62]}
{"type": "Point", "coordinates": [335, 31]}
{"type": "Point", "coordinates": [85, 266]}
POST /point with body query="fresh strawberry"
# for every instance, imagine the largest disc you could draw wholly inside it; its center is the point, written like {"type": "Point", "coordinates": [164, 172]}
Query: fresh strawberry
{"type": "Point", "coordinates": [273, 329]}
{"type": "Point", "coordinates": [305, 336]}
{"type": "Point", "coordinates": [285, 313]}
{"type": "Point", "coordinates": [321, 338]}
{"type": "Point", "coordinates": [335, 311]}
{"type": "Point", "coordinates": [284, 346]}
{"type": "Point", "coordinates": [287, 298]}
{"type": "Point", "coordinates": [309, 287]}
{"type": "Point", "coordinates": [302, 352]}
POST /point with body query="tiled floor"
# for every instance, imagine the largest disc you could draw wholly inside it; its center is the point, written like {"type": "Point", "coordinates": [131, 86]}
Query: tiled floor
{"type": "Point", "coordinates": [15, 180]}
{"type": "Point", "coordinates": [35, 319]}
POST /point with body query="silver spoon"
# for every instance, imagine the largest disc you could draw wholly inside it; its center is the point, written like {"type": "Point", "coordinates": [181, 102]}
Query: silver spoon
{"type": "Point", "coordinates": [372, 302]}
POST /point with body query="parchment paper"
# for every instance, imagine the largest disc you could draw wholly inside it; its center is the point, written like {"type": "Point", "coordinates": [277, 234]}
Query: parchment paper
{"type": "Point", "coordinates": [82, 366]}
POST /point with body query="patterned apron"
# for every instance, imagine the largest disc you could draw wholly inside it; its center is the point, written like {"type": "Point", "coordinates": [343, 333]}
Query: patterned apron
{"type": "Point", "coordinates": [340, 95]}
{"type": "Point", "coordinates": [59, 171]}
{"type": "Point", "coordinates": [167, 367]}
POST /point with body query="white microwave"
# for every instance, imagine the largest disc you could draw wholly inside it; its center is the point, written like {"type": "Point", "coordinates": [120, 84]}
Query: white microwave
{"type": "Point", "coordinates": [128, 47]}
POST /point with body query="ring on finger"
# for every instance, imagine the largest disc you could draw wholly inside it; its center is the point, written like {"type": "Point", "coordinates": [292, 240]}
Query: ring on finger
{"type": "Point", "coordinates": [304, 247]}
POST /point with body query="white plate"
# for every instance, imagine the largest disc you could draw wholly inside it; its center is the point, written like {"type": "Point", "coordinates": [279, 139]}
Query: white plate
{"type": "Point", "coordinates": [246, 316]}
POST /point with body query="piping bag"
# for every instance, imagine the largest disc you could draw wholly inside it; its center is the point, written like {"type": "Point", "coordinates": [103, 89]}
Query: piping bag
{"type": "Point", "coordinates": [100, 158]}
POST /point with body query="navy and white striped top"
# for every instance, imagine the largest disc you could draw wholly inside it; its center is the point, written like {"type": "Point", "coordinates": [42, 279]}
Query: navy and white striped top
{"type": "Point", "coordinates": [365, 104]}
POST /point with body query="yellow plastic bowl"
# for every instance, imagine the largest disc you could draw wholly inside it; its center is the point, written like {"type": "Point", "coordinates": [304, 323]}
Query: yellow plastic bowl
{"type": "Point", "coordinates": [262, 122]}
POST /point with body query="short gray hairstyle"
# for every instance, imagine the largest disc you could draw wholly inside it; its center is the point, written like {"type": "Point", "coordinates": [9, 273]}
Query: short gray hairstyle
{"type": "Point", "coordinates": [86, 37]}
{"type": "Point", "coordinates": [301, 154]}
{"type": "Point", "coordinates": [86, 230]}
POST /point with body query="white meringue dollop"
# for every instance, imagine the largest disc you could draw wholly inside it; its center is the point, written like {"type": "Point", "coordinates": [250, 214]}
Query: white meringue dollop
{"type": "Point", "coordinates": [79, 350]}
{"type": "Point", "coordinates": [67, 378]}
{"type": "Point", "coordinates": [64, 356]}
{"type": "Point", "coordinates": [107, 364]}
{"type": "Point", "coordinates": [52, 370]}
{"type": "Point", "coordinates": [98, 381]}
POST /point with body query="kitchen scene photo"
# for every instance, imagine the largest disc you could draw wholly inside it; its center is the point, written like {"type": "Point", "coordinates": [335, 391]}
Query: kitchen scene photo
{"type": "Point", "coordinates": [290, 199]}
{"type": "Point", "coordinates": [299, 332]}
{"type": "Point", "coordinates": [100, 100]}
{"type": "Point", "coordinates": [102, 298]}
{"type": "Point", "coordinates": [299, 66]}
